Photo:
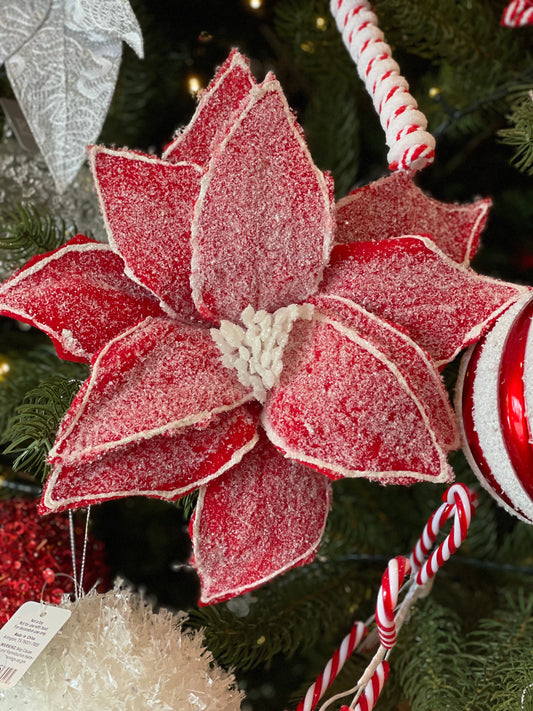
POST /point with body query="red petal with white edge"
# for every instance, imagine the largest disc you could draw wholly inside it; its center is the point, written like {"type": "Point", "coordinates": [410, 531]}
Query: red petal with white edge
{"type": "Point", "coordinates": [343, 407]}
{"type": "Point", "coordinates": [415, 365]}
{"type": "Point", "coordinates": [166, 466]}
{"type": "Point", "coordinates": [409, 281]}
{"type": "Point", "coordinates": [218, 107]}
{"type": "Point", "coordinates": [79, 296]}
{"type": "Point", "coordinates": [261, 518]}
{"type": "Point", "coordinates": [395, 206]}
{"type": "Point", "coordinates": [263, 227]}
{"type": "Point", "coordinates": [156, 378]}
{"type": "Point", "coordinates": [147, 206]}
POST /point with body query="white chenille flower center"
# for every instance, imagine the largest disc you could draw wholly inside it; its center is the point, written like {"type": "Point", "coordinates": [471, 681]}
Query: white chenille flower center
{"type": "Point", "coordinates": [256, 351]}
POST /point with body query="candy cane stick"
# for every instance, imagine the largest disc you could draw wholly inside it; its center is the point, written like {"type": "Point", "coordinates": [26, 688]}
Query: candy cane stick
{"type": "Point", "coordinates": [411, 147]}
{"type": "Point", "coordinates": [518, 14]}
{"type": "Point", "coordinates": [317, 690]}
{"type": "Point", "coordinates": [387, 599]}
{"type": "Point", "coordinates": [460, 501]}
{"type": "Point", "coordinates": [373, 689]}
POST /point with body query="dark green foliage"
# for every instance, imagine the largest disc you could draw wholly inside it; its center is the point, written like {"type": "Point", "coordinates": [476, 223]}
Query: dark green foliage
{"type": "Point", "coordinates": [520, 136]}
{"type": "Point", "coordinates": [187, 504]}
{"type": "Point", "coordinates": [32, 428]}
{"type": "Point", "coordinates": [431, 635]}
{"type": "Point", "coordinates": [289, 615]}
{"type": "Point", "coordinates": [326, 81]}
{"type": "Point", "coordinates": [25, 233]}
{"type": "Point", "coordinates": [467, 647]}
{"type": "Point", "coordinates": [475, 64]}
{"type": "Point", "coordinates": [30, 358]}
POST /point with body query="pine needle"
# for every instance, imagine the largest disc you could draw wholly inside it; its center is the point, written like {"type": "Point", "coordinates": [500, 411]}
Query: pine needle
{"type": "Point", "coordinates": [25, 233]}
{"type": "Point", "coordinates": [520, 136]}
{"type": "Point", "coordinates": [32, 429]}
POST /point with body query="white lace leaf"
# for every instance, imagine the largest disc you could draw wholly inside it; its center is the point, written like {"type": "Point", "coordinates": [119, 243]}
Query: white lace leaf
{"type": "Point", "coordinates": [109, 17]}
{"type": "Point", "coordinates": [64, 78]}
{"type": "Point", "coordinates": [19, 19]}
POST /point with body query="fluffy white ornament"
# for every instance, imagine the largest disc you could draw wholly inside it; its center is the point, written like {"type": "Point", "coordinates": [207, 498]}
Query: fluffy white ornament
{"type": "Point", "coordinates": [116, 654]}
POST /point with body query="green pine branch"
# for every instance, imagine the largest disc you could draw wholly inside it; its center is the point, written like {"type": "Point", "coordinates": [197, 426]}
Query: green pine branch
{"type": "Point", "coordinates": [25, 233]}
{"type": "Point", "coordinates": [31, 430]}
{"type": "Point", "coordinates": [26, 359]}
{"type": "Point", "coordinates": [520, 135]}
{"type": "Point", "coordinates": [428, 661]}
{"type": "Point", "coordinates": [288, 615]}
{"type": "Point", "coordinates": [320, 72]}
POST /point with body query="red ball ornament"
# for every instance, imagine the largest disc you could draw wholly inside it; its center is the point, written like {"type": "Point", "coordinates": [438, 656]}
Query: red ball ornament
{"type": "Point", "coordinates": [494, 402]}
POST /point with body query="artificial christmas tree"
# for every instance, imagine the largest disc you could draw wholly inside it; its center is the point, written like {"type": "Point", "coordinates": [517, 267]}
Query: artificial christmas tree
{"type": "Point", "coordinates": [471, 76]}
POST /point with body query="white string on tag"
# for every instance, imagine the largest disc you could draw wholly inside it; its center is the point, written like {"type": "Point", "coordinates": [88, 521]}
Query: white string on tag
{"type": "Point", "coordinates": [78, 583]}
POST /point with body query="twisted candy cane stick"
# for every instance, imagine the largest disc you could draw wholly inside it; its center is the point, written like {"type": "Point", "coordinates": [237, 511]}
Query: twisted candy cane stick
{"type": "Point", "coordinates": [460, 501]}
{"type": "Point", "coordinates": [333, 667]}
{"type": "Point", "coordinates": [411, 147]}
{"type": "Point", "coordinates": [387, 600]}
{"type": "Point", "coordinates": [373, 689]}
{"type": "Point", "coordinates": [518, 14]}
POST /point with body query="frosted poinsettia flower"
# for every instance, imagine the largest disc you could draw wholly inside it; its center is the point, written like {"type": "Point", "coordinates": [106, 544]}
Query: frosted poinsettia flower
{"type": "Point", "coordinates": [236, 350]}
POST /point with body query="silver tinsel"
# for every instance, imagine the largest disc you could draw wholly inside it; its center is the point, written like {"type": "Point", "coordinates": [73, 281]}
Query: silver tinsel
{"type": "Point", "coordinates": [24, 178]}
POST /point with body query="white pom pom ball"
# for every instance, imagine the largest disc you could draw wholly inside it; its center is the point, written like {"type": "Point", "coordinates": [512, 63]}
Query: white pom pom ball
{"type": "Point", "coordinates": [116, 654]}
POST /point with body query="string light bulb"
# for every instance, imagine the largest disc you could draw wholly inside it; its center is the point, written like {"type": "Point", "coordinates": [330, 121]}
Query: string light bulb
{"type": "Point", "coordinates": [321, 23]}
{"type": "Point", "coordinates": [4, 369]}
{"type": "Point", "coordinates": [193, 85]}
{"type": "Point", "coordinates": [255, 4]}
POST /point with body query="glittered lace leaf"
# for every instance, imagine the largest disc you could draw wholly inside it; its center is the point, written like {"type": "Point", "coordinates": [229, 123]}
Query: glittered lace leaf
{"type": "Point", "coordinates": [107, 17]}
{"type": "Point", "coordinates": [19, 19]}
{"type": "Point", "coordinates": [262, 230]}
{"type": "Point", "coordinates": [218, 108]}
{"type": "Point", "coordinates": [408, 281]}
{"type": "Point", "coordinates": [395, 206]}
{"type": "Point", "coordinates": [165, 466]}
{"type": "Point", "coordinates": [344, 408]}
{"type": "Point", "coordinates": [156, 378]}
{"type": "Point", "coordinates": [261, 518]}
{"type": "Point", "coordinates": [148, 206]}
{"type": "Point", "coordinates": [64, 78]}
{"type": "Point", "coordinates": [79, 296]}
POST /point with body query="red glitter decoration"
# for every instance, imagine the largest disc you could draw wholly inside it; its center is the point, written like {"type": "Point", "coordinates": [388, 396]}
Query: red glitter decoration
{"type": "Point", "coordinates": [35, 550]}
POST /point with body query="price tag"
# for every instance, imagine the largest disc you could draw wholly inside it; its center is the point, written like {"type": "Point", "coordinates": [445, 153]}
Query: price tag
{"type": "Point", "coordinates": [25, 636]}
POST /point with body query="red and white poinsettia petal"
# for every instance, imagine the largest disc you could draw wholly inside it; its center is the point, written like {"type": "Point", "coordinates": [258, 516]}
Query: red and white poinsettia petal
{"type": "Point", "coordinates": [165, 466]}
{"type": "Point", "coordinates": [79, 296]}
{"type": "Point", "coordinates": [218, 107]}
{"type": "Point", "coordinates": [395, 206]}
{"type": "Point", "coordinates": [262, 230]}
{"type": "Point", "coordinates": [158, 377]}
{"type": "Point", "coordinates": [415, 365]}
{"type": "Point", "coordinates": [261, 518]}
{"type": "Point", "coordinates": [343, 407]}
{"type": "Point", "coordinates": [443, 305]}
{"type": "Point", "coordinates": [147, 206]}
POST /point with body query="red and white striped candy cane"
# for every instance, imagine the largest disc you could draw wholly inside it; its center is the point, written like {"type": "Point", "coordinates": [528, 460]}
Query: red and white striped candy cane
{"type": "Point", "coordinates": [411, 147]}
{"type": "Point", "coordinates": [317, 690]}
{"type": "Point", "coordinates": [387, 599]}
{"type": "Point", "coordinates": [459, 501]}
{"type": "Point", "coordinates": [518, 14]}
{"type": "Point", "coordinates": [374, 687]}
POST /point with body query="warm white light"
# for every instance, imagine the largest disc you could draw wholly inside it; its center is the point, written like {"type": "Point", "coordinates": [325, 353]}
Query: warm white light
{"type": "Point", "coordinates": [255, 4]}
{"type": "Point", "coordinates": [321, 23]}
{"type": "Point", "coordinates": [4, 368]}
{"type": "Point", "coordinates": [194, 85]}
